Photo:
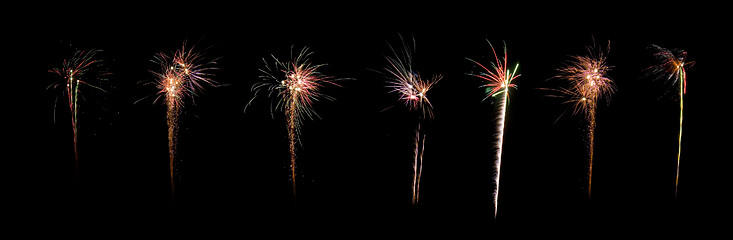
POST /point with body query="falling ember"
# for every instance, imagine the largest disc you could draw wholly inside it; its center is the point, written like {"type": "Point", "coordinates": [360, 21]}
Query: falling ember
{"type": "Point", "coordinates": [498, 81]}
{"type": "Point", "coordinates": [589, 82]}
{"type": "Point", "coordinates": [82, 69]}
{"type": "Point", "coordinates": [297, 85]}
{"type": "Point", "coordinates": [182, 75]}
{"type": "Point", "coordinates": [671, 67]}
{"type": "Point", "coordinates": [412, 89]}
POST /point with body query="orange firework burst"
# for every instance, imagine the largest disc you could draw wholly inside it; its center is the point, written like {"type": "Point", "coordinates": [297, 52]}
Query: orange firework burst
{"type": "Point", "coordinates": [672, 68]}
{"type": "Point", "coordinates": [183, 74]}
{"type": "Point", "coordinates": [499, 80]}
{"type": "Point", "coordinates": [588, 83]}
{"type": "Point", "coordinates": [297, 85]}
{"type": "Point", "coordinates": [413, 91]}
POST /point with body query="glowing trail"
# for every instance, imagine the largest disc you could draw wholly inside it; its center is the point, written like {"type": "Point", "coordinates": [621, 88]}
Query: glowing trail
{"type": "Point", "coordinates": [499, 80]}
{"type": "Point", "coordinates": [500, 145]}
{"type": "Point", "coordinates": [679, 138]}
{"type": "Point", "coordinates": [588, 82]}
{"type": "Point", "coordinates": [417, 164]}
{"type": "Point", "coordinates": [82, 69]}
{"type": "Point", "coordinates": [415, 175]}
{"type": "Point", "coordinates": [419, 173]}
{"type": "Point", "coordinates": [672, 67]}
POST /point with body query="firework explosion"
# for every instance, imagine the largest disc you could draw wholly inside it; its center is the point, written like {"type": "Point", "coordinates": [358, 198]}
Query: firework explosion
{"type": "Point", "coordinates": [498, 81]}
{"type": "Point", "coordinates": [296, 85]}
{"type": "Point", "coordinates": [82, 69]}
{"type": "Point", "coordinates": [588, 83]}
{"type": "Point", "coordinates": [413, 93]}
{"type": "Point", "coordinates": [182, 75]}
{"type": "Point", "coordinates": [672, 68]}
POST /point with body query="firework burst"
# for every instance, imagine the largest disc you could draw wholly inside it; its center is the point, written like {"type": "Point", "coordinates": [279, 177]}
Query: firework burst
{"type": "Point", "coordinates": [182, 75]}
{"type": "Point", "coordinates": [296, 85]}
{"type": "Point", "coordinates": [671, 67]}
{"type": "Point", "coordinates": [498, 80]}
{"type": "Point", "coordinates": [589, 83]}
{"type": "Point", "coordinates": [413, 90]}
{"type": "Point", "coordinates": [82, 69]}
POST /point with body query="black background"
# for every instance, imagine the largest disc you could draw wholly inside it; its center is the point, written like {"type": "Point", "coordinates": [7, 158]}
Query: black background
{"type": "Point", "coordinates": [354, 164]}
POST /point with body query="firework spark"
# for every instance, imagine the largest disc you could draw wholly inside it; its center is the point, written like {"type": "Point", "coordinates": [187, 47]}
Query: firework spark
{"type": "Point", "coordinates": [182, 75]}
{"type": "Point", "coordinates": [413, 91]}
{"type": "Point", "coordinates": [498, 81]}
{"type": "Point", "coordinates": [82, 69]}
{"type": "Point", "coordinates": [672, 68]}
{"type": "Point", "coordinates": [588, 83]}
{"type": "Point", "coordinates": [296, 85]}
{"type": "Point", "coordinates": [408, 83]}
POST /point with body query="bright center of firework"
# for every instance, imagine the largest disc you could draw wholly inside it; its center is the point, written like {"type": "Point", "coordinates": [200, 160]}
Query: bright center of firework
{"type": "Point", "coordinates": [295, 82]}
{"type": "Point", "coordinates": [582, 99]}
{"type": "Point", "coordinates": [171, 87]}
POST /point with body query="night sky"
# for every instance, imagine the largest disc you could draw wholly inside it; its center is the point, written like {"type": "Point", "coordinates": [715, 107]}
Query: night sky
{"type": "Point", "coordinates": [354, 165]}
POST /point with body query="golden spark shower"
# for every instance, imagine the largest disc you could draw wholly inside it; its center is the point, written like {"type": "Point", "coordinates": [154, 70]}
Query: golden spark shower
{"type": "Point", "coordinates": [182, 76]}
{"type": "Point", "coordinates": [589, 83]}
